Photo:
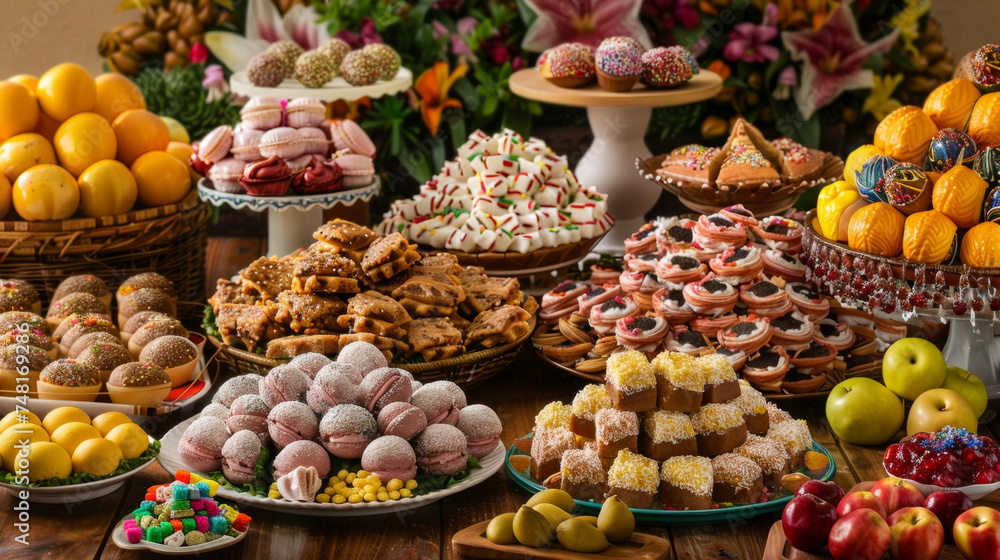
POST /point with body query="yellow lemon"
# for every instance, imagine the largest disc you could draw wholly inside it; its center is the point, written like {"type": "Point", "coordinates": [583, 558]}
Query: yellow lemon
{"type": "Point", "coordinates": [83, 140]}
{"type": "Point", "coordinates": [97, 456]}
{"type": "Point", "coordinates": [115, 95]}
{"type": "Point", "coordinates": [17, 434]}
{"type": "Point", "coordinates": [162, 178]}
{"type": "Point", "coordinates": [856, 159]}
{"type": "Point", "coordinates": [72, 434]}
{"type": "Point", "coordinates": [139, 131]}
{"type": "Point", "coordinates": [130, 438]}
{"type": "Point", "coordinates": [18, 109]}
{"type": "Point", "coordinates": [26, 80]}
{"type": "Point", "coordinates": [108, 421]}
{"type": "Point", "coordinates": [65, 90]}
{"type": "Point", "coordinates": [63, 415]}
{"type": "Point", "coordinates": [15, 417]}
{"type": "Point", "coordinates": [177, 131]}
{"type": "Point", "coordinates": [46, 192]}
{"type": "Point", "coordinates": [6, 196]}
{"type": "Point", "coordinates": [47, 460]}
{"type": "Point", "coordinates": [22, 151]}
{"type": "Point", "coordinates": [46, 126]}
{"type": "Point", "coordinates": [184, 152]}
{"type": "Point", "coordinates": [107, 188]}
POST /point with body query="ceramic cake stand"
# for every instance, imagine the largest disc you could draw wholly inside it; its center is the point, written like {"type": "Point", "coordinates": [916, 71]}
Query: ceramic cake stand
{"type": "Point", "coordinates": [336, 89]}
{"type": "Point", "coordinates": [291, 220]}
{"type": "Point", "coordinates": [619, 122]}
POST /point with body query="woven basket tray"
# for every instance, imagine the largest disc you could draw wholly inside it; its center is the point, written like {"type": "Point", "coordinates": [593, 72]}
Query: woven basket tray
{"type": "Point", "coordinates": [170, 240]}
{"type": "Point", "coordinates": [467, 370]}
{"type": "Point", "coordinates": [508, 263]}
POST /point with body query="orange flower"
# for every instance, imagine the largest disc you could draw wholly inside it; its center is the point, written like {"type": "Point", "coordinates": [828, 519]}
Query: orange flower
{"type": "Point", "coordinates": [341, 109]}
{"type": "Point", "coordinates": [433, 86]}
{"type": "Point", "coordinates": [720, 68]}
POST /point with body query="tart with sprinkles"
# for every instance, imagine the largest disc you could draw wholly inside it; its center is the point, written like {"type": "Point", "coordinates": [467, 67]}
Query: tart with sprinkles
{"type": "Point", "coordinates": [792, 330]}
{"type": "Point", "coordinates": [681, 266]}
{"type": "Point", "coordinates": [766, 369]}
{"type": "Point", "coordinates": [710, 296]}
{"type": "Point", "coordinates": [748, 335]}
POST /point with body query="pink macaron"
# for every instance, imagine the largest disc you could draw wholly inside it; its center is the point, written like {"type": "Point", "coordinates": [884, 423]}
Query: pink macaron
{"type": "Point", "coordinates": [214, 147]}
{"type": "Point", "coordinates": [236, 387]}
{"type": "Point", "coordinates": [225, 175]}
{"type": "Point", "coordinates": [346, 430]}
{"type": "Point", "coordinates": [401, 419]}
{"type": "Point", "coordinates": [364, 356]}
{"type": "Point", "coordinates": [283, 383]}
{"type": "Point", "coordinates": [240, 455]}
{"type": "Point", "coordinates": [200, 447]}
{"type": "Point", "coordinates": [310, 363]}
{"type": "Point", "coordinates": [358, 170]}
{"type": "Point", "coordinates": [482, 429]}
{"type": "Point", "coordinates": [302, 453]}
{"type": "Point", "coordinates": [249, 412]}
{"type": "Point", "coordinates": [441, 450]}
{"type": "Point", "coordinates": [303, 112]}
{"type": "Point", "coordinates": [348, 135]}
{"type": "Point", "coordinates": [216, 410]}
{"type": "Point", "coordinates": [262, 113]}
{"type": "Point", "coordinates": [291, 421]}
{"type": "Point", "coordinates": [331, 387]}
{"type": "Point", "coordinates": [441, 402]}
{"type": "Point", "coordinates": [246, 143]}
{"type": "Point", "coordinates": [347, 369]}
{"type": "Point", "coordinates": [282, 142]}
{"type": "Point", "coordinates": [383, 386]}
{"type": "Point", "coordinates": [315, 141]}
{"type": "Point", "coordinates": [390, 457]}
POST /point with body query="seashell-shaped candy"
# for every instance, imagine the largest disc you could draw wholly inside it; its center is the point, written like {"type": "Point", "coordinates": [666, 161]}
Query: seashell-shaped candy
{"type": "Point", "coordinates": [928, 237]}
{"type": "Point", "coordinates": [905, 134]}
{"type": "Point", "coordinates": [984, 123]}
{"type": "Point", "coordinates": [949, 147]}
{"type": "Point", "coordinates": [950, 104]}
{"type": "Point", "coordinates": [981, 246]}
{"type": "Point", "coordinates": [877, 229]}
{"type": "Point", "coordinates": [958, 194]}
{"type": "Point", "coordinates": [871, 177]}
{"type": "Point", "coordinates": [907, 188]}
{"type": "Point", "coordinates": [987, 165]}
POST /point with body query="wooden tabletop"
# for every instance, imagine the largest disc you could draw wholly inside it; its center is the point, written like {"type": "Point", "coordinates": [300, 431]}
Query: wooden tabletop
{"type": "Point", "coordinates": [528, 83]}
{"type": "Point", "coordinates": [82, 531]}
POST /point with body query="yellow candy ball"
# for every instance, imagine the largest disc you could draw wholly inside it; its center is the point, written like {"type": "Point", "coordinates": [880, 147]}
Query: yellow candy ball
{"type": "Point", "coordinates": [338, 499]}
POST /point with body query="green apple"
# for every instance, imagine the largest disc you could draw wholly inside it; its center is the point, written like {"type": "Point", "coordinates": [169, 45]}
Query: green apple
{"type": "Point", "coordinates": [863, 411]}
{"type": "Point", "coordinates": [177, 131]}
{"type": "Point", "coordinates": [911, 366]}
{"type": "Point", "coordinates": [969, 386]}
{"type": "Point", "coordinates": [938, 408]}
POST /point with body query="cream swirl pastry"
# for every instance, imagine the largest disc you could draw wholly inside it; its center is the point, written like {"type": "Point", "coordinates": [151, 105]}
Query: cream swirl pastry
{"type": "Point", "coordinates": [808, 301]}
{"type": "Point", "coordinates": [680, 266]}
{"type": "Point", "coordinates": [738, 265]}
{"type": "Point", "coordinates": [603, 317]}
{"type": "Point", "coordinates": [780, 263]}
{"type": "Point", "coordinates": [710, 296]}
{"type": "Point", "coordinates": [748, 335]}
{"type": "Point", "coordinates": [839, 335]}
{"type": "Point", "coordinates": [716, 228]}
{"type": "Point", "coordinates": [641, 333]}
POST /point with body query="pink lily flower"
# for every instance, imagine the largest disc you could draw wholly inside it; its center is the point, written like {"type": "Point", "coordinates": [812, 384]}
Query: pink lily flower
{"type": "Point", "coordinates": [787, 80]}
{"type": "Point", "coordinates": [265, 25]}
{"type": "Point", "coordinates": [749, 42]}
{"type": "Point", "coordinates": [583, 21]}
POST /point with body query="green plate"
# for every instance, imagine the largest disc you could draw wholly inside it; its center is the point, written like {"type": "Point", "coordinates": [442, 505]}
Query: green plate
{"type": "Point", "coordinates": [683, 518]}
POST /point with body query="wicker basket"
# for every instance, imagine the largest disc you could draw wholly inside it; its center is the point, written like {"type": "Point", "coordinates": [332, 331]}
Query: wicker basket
{"type": "Point", "coordinates": [170, 240]}
{"type": "Point", "coordinates": [467, 370]}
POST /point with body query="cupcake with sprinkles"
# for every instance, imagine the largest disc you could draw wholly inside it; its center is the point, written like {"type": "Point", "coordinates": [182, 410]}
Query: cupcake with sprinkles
{"type": "Point", "coordinates": [569, 65]}
{"type": "Point", "coordinates": [665, 67]}
{"type": "Point", "coordinates": [618, 63]}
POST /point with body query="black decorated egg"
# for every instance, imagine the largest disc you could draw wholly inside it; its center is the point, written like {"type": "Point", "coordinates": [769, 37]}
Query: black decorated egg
{"type": "Point", "coordinates": [987, 165]}
{"type": "Point", "coordinates": [991, 206]}
{"type": "Point", "coordinates": [907, 188]}
{"type": "Point", "coordinates": [871, 178]}
{"type": "Point", "coordinates": [949, 147]}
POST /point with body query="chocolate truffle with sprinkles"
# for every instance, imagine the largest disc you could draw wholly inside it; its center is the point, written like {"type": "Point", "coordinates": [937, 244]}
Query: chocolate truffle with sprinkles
{"type": "Point", "coordinates": [169, 351]}
{"type": "Point", "coordinates": [314, 69]}
{"type": "Point", "coordinates": [92, 338]}
{"type": "Point", "coordinates": [386, 58]}
{"type": "Point", "coordinates": [265, 70]}
{"type": "Point", "coordinates": [360, 68]}
{"type": "Point", "coordinates": [138, 374]}
{"type": "Point", "coordinates": [70, 373]}
{"type": "Point", "coordinates": [88, 283]}
{"type": "Point", "coordinates": [666, 67]}
{"type": "Point", "coordinates": [287, 52]}
{"type": "Point", "coordinates": [236, 387]}
{"type": "Point", "coordinates": [335, 49]}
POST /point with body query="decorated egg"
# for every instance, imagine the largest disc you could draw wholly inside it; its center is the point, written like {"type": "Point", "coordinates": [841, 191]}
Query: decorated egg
{"type": "Point", "coordinates": [907, 188]}
{"type": "Point", "coordinates": [991, 206]}
{"type": "Point", "coordinates": [871, 177]}
{"type": "Point", "coordinates": [987, 165]}
{"type": "Point", "coordinates": [949, 147]}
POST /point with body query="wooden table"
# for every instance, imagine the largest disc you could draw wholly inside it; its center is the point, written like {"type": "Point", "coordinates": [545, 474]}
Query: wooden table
{"type": "Point", "coordinates": [82, 531]}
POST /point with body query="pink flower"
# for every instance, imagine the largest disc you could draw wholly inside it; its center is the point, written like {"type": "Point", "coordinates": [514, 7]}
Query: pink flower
{"type": "Point", "coordinates": [787, 80]}
{"type": "Point", "coordinates": [198, 54]}
{"type": "Point", "coordinates": [467, 25]}
{"type": "Point", "coordinates": [583, 21]}
{"type": "Point", "coordinates": [458, 45]}
{"type": "Point", "coordinates": [449, 5]}
{"type": "Point", "coordinates": [214, 82]}
{"type": "Point", "coordinates": [669, 13]}
{"type": "Point", "coordinates": [366, 35]}
{"type": "Point", "coordinates": [749, 42]}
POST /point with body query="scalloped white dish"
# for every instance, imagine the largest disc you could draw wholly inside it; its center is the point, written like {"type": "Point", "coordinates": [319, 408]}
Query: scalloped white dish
{"type": "Point", "coordinates": [119, 538]}
{"type": "Point", "coordinates": [289, 202]}
{"type": "Point", "coordinates": [974, 491]}
{"type": "Point", "coordinates": [335, 89]}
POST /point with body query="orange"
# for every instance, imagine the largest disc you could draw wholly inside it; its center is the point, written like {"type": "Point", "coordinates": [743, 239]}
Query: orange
{"type": "Point", "coordinates": [46, 126]}
{"type": "Point", "coordinates": [65, 90]}
{"type": "Point", "coordinates": [84, 139]}
{"type": "Point", "coordinates": [26, 80]}
{"type": "Point", "coordinates": [107, 188]}
{"type": "Point", "coordinates": [183, 152]}
{"type": "Point", "coordinates": [46, 192]}
{"type": "Point", "coordinates": [23, 151]}
{"type": "Point", "coordinates": [162, 179]}
{"type": "Point", "coordinates": [116, 94]}
{"type": "Point", "coordinates": [18, 110]}
{"type": "Point", "coordinates": [139, 131]}
{"type": "Point", "coordinates": [5, 196]}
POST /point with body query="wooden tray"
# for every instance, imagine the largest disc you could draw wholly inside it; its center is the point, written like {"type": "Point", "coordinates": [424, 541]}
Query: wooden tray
{"type": "Point", "coordinates": [471, 543]}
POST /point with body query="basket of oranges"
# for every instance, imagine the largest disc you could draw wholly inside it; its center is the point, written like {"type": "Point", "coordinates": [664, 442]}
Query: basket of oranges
{"type": "Point", "coordinates": [92, 182]}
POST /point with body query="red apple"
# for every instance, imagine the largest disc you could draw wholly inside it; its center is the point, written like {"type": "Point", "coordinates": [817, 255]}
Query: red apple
{"type": "Point", "coordinates": [917, 534]}
{"type": "Point", "coordinates": [947, 505]}
{"type": "Point", "coordinates": [860, 535]}
{"type": "Point", "coordinates": [860, 500]}
{"type": "Point", "coordinates": [829, 491]}
{"type": "Point", "coordinates": [977, 533]}
{"type": "Point", "coordinates": [807, 521]}
{"type": "Point", "coordinates": [896, 493]}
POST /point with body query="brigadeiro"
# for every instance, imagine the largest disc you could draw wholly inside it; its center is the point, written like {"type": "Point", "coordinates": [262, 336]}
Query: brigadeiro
{"type": "Point", "coordinates": [302, 453]}
{"type": "Point", "coordinates": [401, 419]}
{"type": "Point", "coordinates": [384, 386]}
{"type": "Point", "coordinates": [286, 52]}
{"type": "Point", "coordinates": [441, 450]}
{"type": "Point", "coordinates": [347, 429]}
{"type": "Point", "coordinates": [236, 387]}
{"type": "Point", "coordinates": [314, 69]}
{"type": "Point", "coordinates": [249, 412]}
{"type": "Point", "coordinates": [331, 387]}
{"type": "Point", "coordinates": [667, 66]}
{"type": "Point", "coordinates": [362, 355]}
{"type": "Point", "coordinates": [360, 68]}
{"type": "Point", "coordinates": [291, 421]}
{"type": "Point", "coordinates": [385, 57]}
{"type": "Point", "coordinates": [335, 49]}
{"type": "Point", "coordinates": [441, 402]}
{"type": "Point", "coordinates": [283, 383]}
{"type": "Point", "coordinates": [265, 70]}
{"type": "Point", "coordinates": [239, 457]}
{"type": "Point", "coordinates": [482, 429]}
{"type": "Point", "coordinates": [390, 457]}
{"type": "Point", "coordinates": [201, 445]}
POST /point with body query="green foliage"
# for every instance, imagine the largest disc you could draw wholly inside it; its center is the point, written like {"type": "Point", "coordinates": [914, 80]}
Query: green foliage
{"type": "Point", "coordinates": [179, 94]}
{"type": "Point", "coordinates": [124, 466]}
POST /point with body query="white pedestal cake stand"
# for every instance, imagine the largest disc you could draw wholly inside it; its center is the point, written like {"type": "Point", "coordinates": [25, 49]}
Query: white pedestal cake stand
{"type": "Point", "coordinates": [619, 122]}
{"type": "Point", "coordinates": [291, 220]}
{"type": "Point", "coordinates": [335, 89]}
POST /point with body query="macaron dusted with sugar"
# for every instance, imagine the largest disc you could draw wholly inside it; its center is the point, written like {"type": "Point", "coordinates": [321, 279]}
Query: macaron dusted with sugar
{"type": "Point", "coordinates": [310, 363]}
{"type": "Point", "coordinates": [240, 455]}
{"type": "Point", "coordinates": [441, 450]}
{"type": "Point", "coordinates": [291, 421]}
{"type": "Point", "coordinates": [347, 429]}
{"type": "Point", "coordinates": [201, 445]}
{"type": "Point", "coordinates": [390, 457]}
{"type": "Point", "coordinates": [283, 383]}
{"type": "Point", "coordinates": [383, 386]}
{"type": "Point", "coordinates": [482, 429]}
{"type": "Point", "coordinates": [333, 385]}
{"type": "Point", "coordinates": [303, 453]}
{"type": "Point", "coordinates": [401, 419]}
{"type": "Point", "coordinates": [363, 356]}
{"type": "Point", "coordinates": [441, 402]}
{"type": "Point", "coordinates": [248, 412]}
{"type": "Point", "coordinates": [216, 410]}
{"type": "Point", "coordinates": [236, 387]}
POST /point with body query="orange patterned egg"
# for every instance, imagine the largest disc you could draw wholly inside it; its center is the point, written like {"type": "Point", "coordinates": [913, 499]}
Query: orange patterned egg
{"type": "Point", "coordinates": [958, 194]}
{"type": "Point", "coordinates": [981, 246]}
{"type": "Point", "coordinates": [877, 229]}
{"type": "Point", "coordinates": [984, 124]}
{"type": "Point", "coordinates": [928, 237]}
{"type": "Point", "coordinates": [905, 134]}
{"type": "Point", "coordinates": [950, 104]}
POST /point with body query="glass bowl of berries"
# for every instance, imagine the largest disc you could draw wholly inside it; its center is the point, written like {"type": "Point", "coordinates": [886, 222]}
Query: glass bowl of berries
{"type": "Point", "coordinates": [952, 458]}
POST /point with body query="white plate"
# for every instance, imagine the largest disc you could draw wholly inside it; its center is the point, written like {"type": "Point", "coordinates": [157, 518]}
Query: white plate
{"type": "Point", "coordinates": [974, 491]}
{"type": "Point", "coordinates": [75, 493]}
{"type": "Point", "coordinates": [335, 89]}
{"type": "Point", "coordinates": [118, 536]}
